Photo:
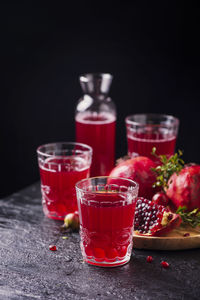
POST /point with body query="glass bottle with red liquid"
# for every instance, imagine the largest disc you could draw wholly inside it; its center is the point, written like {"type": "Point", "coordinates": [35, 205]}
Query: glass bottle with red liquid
{"type": "Point", "coordinates": [96, 121]}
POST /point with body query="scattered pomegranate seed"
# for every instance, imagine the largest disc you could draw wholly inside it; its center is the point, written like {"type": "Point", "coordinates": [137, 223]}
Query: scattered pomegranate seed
{"type": "Point", "coordinates": [52, 247]}
{"type": "Point", "coordinates": [149, 259]}
{"type": "Point", "coordinates": [165, 264]}
{"type": "Point", "coordinates": [186, 234]}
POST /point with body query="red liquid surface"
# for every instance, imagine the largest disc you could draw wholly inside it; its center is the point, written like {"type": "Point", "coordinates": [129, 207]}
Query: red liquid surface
{"type": "Point", "coordinates": [58, 179]}
{"type": "Point", "coordinates": [142, 144]}
{"type": "Point", "coordinates": [106, 229]}
{"type": "Point", "coordinates": [98, 131]}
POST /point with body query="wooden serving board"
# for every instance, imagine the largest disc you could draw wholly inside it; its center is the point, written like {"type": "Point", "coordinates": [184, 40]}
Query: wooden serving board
{"type": "Point", "coordinates": [174, 240]}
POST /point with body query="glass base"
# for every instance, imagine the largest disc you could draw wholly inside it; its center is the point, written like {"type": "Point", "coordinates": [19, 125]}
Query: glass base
{"type": "Point", "coordinates": [107, 264]}
{"type": "Point", "coordinates": [52, 215]}
{"type": "Point", "coordinates": [103, 260]}
{"type": "Point", "coordinates": [61, 218]}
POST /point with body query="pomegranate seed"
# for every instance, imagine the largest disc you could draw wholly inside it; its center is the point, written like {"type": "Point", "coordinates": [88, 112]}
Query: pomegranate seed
{"type": "Point", "coordinates": [52, 247]}
{"type": "Point", "coordinates": [122, 251]}
{"type": "Point", "coordinates": [186, 234]}
{"type": "Point", "coordinates": [165, 264]}
{"type": "Point", "coordinates": [149, 259]}
{"type": "Point", "coordinates": [112, 253]}
{"type": "Point", "coordinates": [98, 253]}
{"type": "Point", "coordinates": [160, 198]}
{"type": "Point", "coordinates": [88, 250]}
{"type": "Point", "coordinates": [170, 217]}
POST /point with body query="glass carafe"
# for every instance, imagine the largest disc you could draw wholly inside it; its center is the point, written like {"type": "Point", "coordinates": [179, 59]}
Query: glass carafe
{"type": "Point", "coordinates": [96, 121]}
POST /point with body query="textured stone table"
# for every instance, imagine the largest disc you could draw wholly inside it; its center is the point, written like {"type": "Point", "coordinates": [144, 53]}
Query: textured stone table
{"type": "Point", "coordinates": [29, 270]}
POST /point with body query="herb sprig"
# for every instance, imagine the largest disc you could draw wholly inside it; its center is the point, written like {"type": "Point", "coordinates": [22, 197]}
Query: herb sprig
{"type": "Point", "coordinates": [191, 218]}
{"type": "Point", "coordinates": [173, 164]}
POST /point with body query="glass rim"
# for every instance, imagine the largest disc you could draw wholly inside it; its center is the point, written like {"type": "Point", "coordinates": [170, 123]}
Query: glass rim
{"type": "Point", "coordinates": [87, 147]}
{"type": "Point", "coordinates": [135, 187]}
{"type": "Point", "coordinates": [152, 115]}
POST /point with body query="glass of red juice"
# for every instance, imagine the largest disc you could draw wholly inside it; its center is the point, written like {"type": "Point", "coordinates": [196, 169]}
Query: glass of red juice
{"type": "Point", "coordinates": [106, 209]}
{"type": "Point", "coordinates": [61, 165]}
{"type": "Point", "coordinates": [145, 131]}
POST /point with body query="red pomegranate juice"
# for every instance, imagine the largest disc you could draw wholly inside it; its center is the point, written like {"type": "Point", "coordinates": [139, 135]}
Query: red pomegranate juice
{"type": "Point", "coordinates": [106, 228]}
{"type": "Point", "coordinates": [98, 131]}
{"type": "Point", "coordinates": [142, 144]}
{"type": "Point", "coordinates": [58, 179]}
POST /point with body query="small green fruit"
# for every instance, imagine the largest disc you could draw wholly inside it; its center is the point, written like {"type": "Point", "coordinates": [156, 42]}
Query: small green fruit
{"type": "Point", "coordinates": [72, 221]}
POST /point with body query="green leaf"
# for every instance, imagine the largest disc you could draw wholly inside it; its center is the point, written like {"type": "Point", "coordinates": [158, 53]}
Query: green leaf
{"type": "Point", "coordinates": [191, 218]}
{"type": "Point", "coordinates": [169, 166]}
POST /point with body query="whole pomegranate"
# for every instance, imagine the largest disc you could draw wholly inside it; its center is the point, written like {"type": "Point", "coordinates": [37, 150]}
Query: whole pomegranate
{"type": "Point", "coordinates": [138, 169]}
{"type": "Point", "coordinates": [184, 188]}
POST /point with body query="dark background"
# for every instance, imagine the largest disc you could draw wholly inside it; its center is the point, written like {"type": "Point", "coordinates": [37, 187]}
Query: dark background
{"type": "Point", "coordinates": [151, 48]}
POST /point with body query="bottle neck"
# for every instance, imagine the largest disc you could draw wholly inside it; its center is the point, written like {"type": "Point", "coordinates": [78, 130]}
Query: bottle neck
{"type": "Point", "coordinates": [96, 84]}
{"type": "Point", "coordinates": [96, 96]}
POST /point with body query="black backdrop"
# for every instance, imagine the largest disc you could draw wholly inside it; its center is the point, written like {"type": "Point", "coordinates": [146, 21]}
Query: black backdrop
{"type": "Point", "coordinates": [151, 48]}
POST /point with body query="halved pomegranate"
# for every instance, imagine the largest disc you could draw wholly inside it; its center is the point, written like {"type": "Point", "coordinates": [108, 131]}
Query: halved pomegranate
{"type": "Point", "coordinates": [153, 219]}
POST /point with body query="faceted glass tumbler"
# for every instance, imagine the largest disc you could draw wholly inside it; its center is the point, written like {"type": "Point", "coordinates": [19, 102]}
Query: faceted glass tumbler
{"type": "Point", "coordinates": [61, 165]}
{"type": "Point", "coordinates": [106, 209]}
{"type": "Point", "coordinates": [145, 131]}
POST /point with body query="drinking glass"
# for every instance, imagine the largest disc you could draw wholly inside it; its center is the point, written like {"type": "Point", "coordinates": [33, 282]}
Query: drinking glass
{"type": "Point", "coordinates": [145, 131]}
{"type": "Point", "coordinates": [61, 165]}
{"type": "Point", "coordinates": [106, 209]}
